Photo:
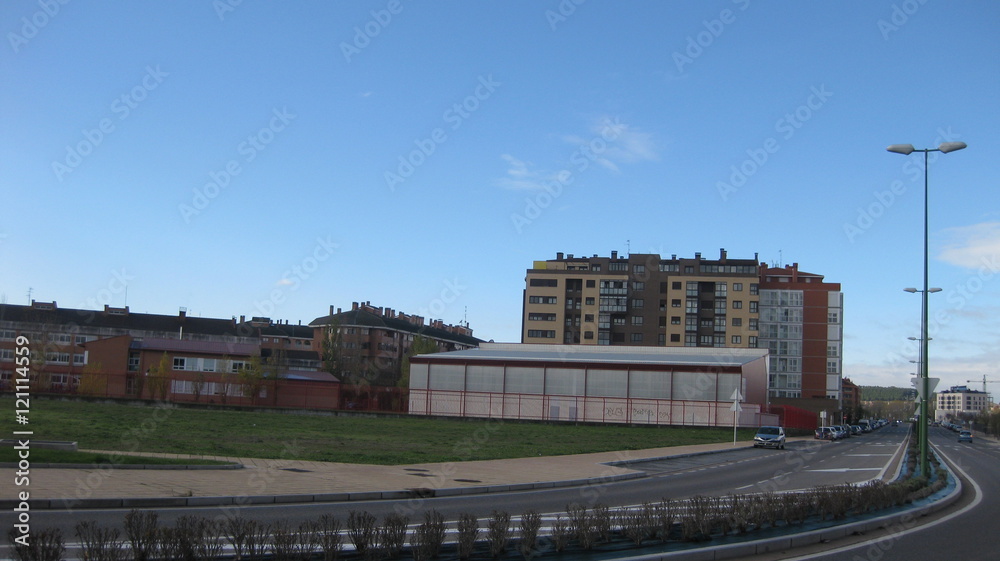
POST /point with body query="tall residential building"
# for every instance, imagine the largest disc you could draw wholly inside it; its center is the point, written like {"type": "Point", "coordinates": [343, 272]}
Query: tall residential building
{"type": "Point", "coordinates": [802, 325]}
{"type": "Point", "coordinates": [642, 299]}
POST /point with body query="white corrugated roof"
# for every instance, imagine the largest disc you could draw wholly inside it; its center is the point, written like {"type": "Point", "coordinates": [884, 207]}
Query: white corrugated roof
{"type": "Point", "coordinates": [696, 356]}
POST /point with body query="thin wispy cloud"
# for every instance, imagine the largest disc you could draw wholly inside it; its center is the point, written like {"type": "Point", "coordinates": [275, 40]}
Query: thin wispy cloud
{"type": "Point", "coordinates": [610, 145]}
{"type": "Point", "coordinates": [972, 246]}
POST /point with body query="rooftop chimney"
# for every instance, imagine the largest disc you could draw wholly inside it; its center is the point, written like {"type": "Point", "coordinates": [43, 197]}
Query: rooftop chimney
{"type": "Point", "coordinates": [559, 255]}
{"type": "Point", "coordinates": [614, 254]}
{"type": "Point", "coordinates": [697, 255]}
{"type": "Point", "coordinates": [722, 254]}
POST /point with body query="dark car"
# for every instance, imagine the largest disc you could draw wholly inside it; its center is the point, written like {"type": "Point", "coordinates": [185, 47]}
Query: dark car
{"type": "Point", "coordinates": [965, 436]}
{"type": "Point", "coordinates": [769, 437]}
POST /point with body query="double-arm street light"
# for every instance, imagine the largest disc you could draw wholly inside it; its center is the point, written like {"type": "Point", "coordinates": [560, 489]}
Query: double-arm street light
{"type": "Point", "coordinates": [906, 150]}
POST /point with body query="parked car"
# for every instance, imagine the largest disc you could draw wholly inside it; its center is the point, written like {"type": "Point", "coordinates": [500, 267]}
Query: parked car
{"type": "Point", "coordinates": [824, 433]}
{"type": "Point", "coordinates": [842, 431]}
{"type": "Point", "coordinates": [856, 430]}
{"type": "Point", "coordinates": [769, 437]}
{"type": "Point", "coordinates": [965, 436]}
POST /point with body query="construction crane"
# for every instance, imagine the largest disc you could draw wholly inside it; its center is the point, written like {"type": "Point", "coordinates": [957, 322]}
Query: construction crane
{"type": "Point", "coordinates": [984, 381]}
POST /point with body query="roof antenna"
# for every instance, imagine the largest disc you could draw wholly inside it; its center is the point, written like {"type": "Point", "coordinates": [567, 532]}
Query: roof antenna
{"type": "Point", "coordinates": [29, 295]}
{"type": "Point", "coordinates": [628, 247]}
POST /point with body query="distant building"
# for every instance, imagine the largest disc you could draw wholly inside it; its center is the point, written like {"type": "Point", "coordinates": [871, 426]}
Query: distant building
{"type": "Point", "coordinates": [851, 396]}
{"type": "Point", "coordinates": [375, 340]}
{"type": "Point", "coordinates": [958, 401]}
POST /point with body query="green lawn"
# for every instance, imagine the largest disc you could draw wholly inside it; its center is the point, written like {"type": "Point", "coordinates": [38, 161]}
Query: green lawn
{"type": "Point", "coordinates": [352, 439]}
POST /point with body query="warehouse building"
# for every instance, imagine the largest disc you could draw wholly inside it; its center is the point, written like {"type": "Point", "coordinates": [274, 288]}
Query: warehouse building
{"type": "Point", "coordinates": [603, 384]}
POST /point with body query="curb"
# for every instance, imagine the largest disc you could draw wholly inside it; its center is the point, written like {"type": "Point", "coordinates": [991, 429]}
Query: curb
{"type": "Point", "coordinates": [413, 493]}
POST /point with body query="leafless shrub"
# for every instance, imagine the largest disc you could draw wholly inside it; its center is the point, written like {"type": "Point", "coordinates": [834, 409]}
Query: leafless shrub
{"type": "Point", "coordinates": [426, 541]}
{"type": "Point", "coordinates": [99, 544]}
{"type": "Point", "coordinates": [361, 529]}
{"type": "Point", "coordinates": [665, 513]}
{"type": "Point", "coordinates": [237, 529]}
{"type": "Point", "coordinates": [770, 508]}
{"type": "Point", "coordinates": [140, 528]}
{"type": "Point", "coordinates": [199, 538]}
{"type": "Point", "coordinates": [328, 536]}
{"type": "Point", "coordinates": [258, 540]}
{"type": "Point", "coordinates": [602, 521]}
{"type": "Point", "coordinates": [288, 544]}
{"type": "Point", "coordinates": [560, 534]}
{"type": "Point", "coordinates": [392, 535]}
{"type": "Point", "coordinates": [168, 543]}
{"type": "Point", "coordinates": [468, 533]}
{"type": "Point", "coordinates": [530, 523]}
{"type": "Point", "coordinates": [581, 525]}
{"type": "Point", "coordinates": [635, 524]}
{"type": "Point", "coordinates": [498, 532]}
{"type": "Point", "coordinates": [697, 524]}
{"type": "Point", "coordinates": [46, 545]}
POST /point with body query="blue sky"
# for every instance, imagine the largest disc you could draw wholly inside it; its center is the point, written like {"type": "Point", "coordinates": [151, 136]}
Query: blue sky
{"type": "Point", "coordinates": [260, 158]}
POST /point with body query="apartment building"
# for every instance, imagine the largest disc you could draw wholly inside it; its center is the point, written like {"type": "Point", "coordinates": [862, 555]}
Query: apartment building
{"type": "Point", "coordinates": [960, 401]}
{"type": "Point", "coordinates": [374, 340]}
{"type": "Point", "coordinates": [642, 300]}
{"type": "Point", "coordinates": [802, 326]}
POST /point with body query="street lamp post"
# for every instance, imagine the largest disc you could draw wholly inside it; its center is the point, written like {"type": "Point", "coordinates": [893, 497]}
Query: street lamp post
{"type": "Point", "coordinates": [906, 150]}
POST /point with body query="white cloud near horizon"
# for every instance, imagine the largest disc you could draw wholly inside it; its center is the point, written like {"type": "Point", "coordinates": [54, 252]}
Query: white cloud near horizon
{"type": "Point", "coordinates": [972, 246]}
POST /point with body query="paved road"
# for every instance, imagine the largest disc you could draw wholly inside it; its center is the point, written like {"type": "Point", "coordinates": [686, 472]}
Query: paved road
{"type": "Point", "coordinates": [801, 465]}
{"type": "Point", "coordinates": [966, 531]}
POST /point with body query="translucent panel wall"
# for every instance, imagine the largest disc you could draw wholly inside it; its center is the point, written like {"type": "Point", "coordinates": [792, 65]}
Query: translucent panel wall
{"type": "Point", "coordinates": [644, 383]}
{"type": "Point", "coordinates": [447, 377]}
{"type": "Point", "coordinates": [564, 381]}
{"type": "Point", "coordinates": [524, 380]}
{"type": "Point", "coordinates": [695, 386]}
{"type": "Point", "coordinates": [484, 379]}
{"type": "Point", "coordinates": [418, 376]}
{"type": "Point", "coordinates": [607, 383]}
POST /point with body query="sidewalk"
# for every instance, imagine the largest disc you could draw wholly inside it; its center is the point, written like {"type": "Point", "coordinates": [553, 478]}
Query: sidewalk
{"type": "Point", "coordinates": [287, 481]}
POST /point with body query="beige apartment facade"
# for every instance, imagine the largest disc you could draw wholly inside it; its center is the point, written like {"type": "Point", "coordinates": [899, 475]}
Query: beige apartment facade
{"type": "Point", "coordinates": [642, 300]}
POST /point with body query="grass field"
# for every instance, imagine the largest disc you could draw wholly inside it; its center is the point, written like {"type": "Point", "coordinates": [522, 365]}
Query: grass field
{"type": "Point", "coordinates": [371, 439]}
{"type": "Point", "coordinates": [43, 455]}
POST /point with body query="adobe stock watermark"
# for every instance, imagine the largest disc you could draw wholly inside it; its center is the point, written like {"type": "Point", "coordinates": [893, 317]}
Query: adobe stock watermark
{"type": "Point", "coordinates": [452, 291]}
{"type": "Point", "coordinates": [32, 25]}
{"type": "Point", "coordinates": [249, 149]}
{"type": "Point", "coordinates": [105, 296]}
{"type": "Point", "coordinates": [121, 107]}
{"type": "Point", "coordinates": [225, 7]}
{"type": "Point", "coordinates": [292, 279]}
{"type": "Point", "coordinates": [786, 126]}
{"type": "Point", "coordinates": [898, 17]}
{"type": "Point", "coordinates": [867, 215]}
{"type": "Point", "coordinates": [454, 117]}
{"type": "Point", "coordinates": [714, 28]}
{"type": "Point", "coordinates": [582, 158]}
{"type": "Point", "coordinates": [364, 34]}
{"type": "Point", "coordinates": [562, 12]}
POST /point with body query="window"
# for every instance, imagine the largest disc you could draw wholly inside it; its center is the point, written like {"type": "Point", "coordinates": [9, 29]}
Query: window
{"type": "Point", "coordinates": [638, 286]}
{"type": "Point", "coordinates": [7, 334]}
{"type": "Point", "coordinates": [690, 339]}
{"type": "Point", "coordinates": [636, 320]}
{"type": "Point", "coordinates": [588, 318]}
{"type": "Point", "coordinates": [691, 307]}
{"type": "Point", "coordinates": [831, 367]}
{"type": "Point", "coordinates": [720, 307]}
{"type": "Point", "coordinates": [542, 333]}
{"type": "Point", "coordinates": [591, 283]}
{"type": "Point", "coordinates": [752, 342]}
{"type": "Point", "coordinates": [675, 320]}
{"type": "Point", "coordinates": [692, 289]}
{"type": "Point", "coordinates": [675, 303]}
{"type": "Point", "coordinates": [669, 268]}
{"type": "Point", "coordinates": [736, 340]}
{"type": "Point", "coordinates": [720, 324]}
{"type": "Point", "coordinates": [662, 321]}
{"type": "Point", "coordinates": [543, 282]}
{"type": "Point", "coordinates": [590, 301]}
{"type": "Point", "coordinates": [737, 304]}
{"type": "Point", "coordinates": [753, 324]}
{"type": "Point", "coordinates": [208, 364]}
{"type": "Point", "coordinates": [636, 338]}
{"type": "Point", "coordinates": [78, 359]}
{"type": "Point", "coordinates": [180, 363]}
{"type": "Point", "coordinates": [638, 303]}
{"type": "Point", "coordinates": [619, 321]}
{"type": "Point", "coordinates": [6, 354]}
{"type": "Point", "coordinates": [833, 317]}
{"type": "Point", "coordinates": [754, 289]}
{"type": "Point", "coordinates": [639, 269]}
{"type": "Point", "coordinates": [753, 306]}
{"type": "Point", "coordinates": [618, 267]}
{"type": "Point", "coordinates": [691, 323]}
{"type": "Point", "coordinates": [661, 339]}
{"type": "Point", "coordinates": [737, 322]}
{"type": "Point", "coordinates": [588, 335]}
{"type": "Point", "coordinates": [676, 285]}
{"type": "Point", "coordinates": [81, 339]}
{"type": "Point", "coordinates": [737, 287]}
{"type": "Point", "coordinates": [542, 300]}
{"type": "Point", "coordinates": [675, 337]}
{"type": "Point", "coordinates": [57, 358]}
{"type": "Point", "coordinates": [832, 351]}
{"type": "Point", "coordinates": [720, 290]}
